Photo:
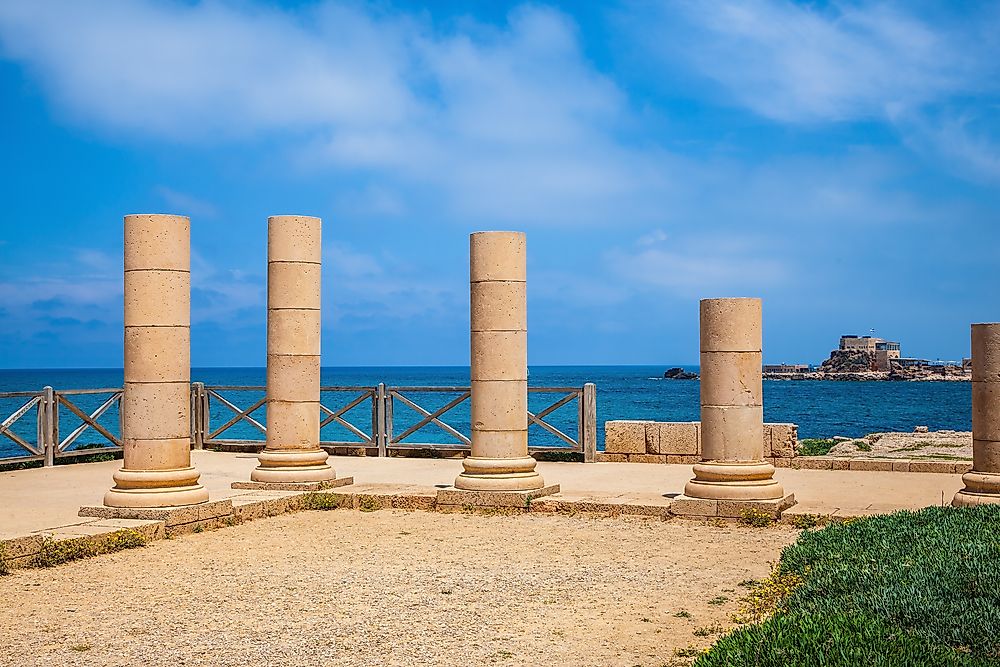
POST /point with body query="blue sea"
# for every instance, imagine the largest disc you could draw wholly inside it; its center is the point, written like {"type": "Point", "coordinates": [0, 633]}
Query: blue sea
{"type": "Point", "coordinates": [820, 408]}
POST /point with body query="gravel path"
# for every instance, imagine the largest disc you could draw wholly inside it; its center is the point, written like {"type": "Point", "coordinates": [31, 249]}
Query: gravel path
{"type": "Point", "coordinates": [392, 588]}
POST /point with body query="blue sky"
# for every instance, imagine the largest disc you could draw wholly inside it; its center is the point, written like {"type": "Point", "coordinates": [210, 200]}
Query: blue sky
{"type": "Point", "coordinates": [840, 160]}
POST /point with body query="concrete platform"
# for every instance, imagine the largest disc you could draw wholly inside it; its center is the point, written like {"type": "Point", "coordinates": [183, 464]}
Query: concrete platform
{"type": "Point", "coordinates": [45, 502]}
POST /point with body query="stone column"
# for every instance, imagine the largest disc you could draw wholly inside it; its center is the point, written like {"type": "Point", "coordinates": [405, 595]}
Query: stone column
{"type": "Point", "coordinates": [156, 402]}
{"type": "Point", "coordinates": [982, 483]}
{"type": "Point", "coordinates": [294, 255]}
{"type": "Point", "coordinates": [499, 313]}
{"type": "Point", "coordinates": [732, 412]}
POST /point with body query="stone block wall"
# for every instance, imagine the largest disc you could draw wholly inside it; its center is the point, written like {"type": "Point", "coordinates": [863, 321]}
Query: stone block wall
{"type": "Point", "coordinates": [680, 442]}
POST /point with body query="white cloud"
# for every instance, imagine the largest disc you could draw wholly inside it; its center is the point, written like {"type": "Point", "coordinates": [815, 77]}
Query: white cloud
{"type": "Point", "coordinates": [805, 62]}
{"type": "Point", "coordinates": [507, 123]}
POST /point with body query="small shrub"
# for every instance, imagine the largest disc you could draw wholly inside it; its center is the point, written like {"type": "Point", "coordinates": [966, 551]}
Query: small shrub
{"type": "Point", "coordinates": [368, 504]}
{"type": "Point", "coordinates": [805, 521]}
{"type": "Point", "coordinates": [689, 652]}
{"type": "Point", "coordinates": [683, 614]}
{"type": "Point", "coordinates": [719, 599]}
{"type": "Point", "coordinates": [707, 630]}
{"type": "Point", "coordinates": [815, 446]}
{"type": "Point", "coordinates": [863, 445]}
{"type": "Point", "coordinates": [766, 597]}
{"type": "Point", "coordinates": [756, 518]}
{"type": "Point", "coordinates": [320, 501]}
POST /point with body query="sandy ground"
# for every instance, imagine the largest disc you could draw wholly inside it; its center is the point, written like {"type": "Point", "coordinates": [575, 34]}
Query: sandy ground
{"type": "Point", "coordinates": [393, 588]}
{"type": "Point", "coordinates": [936, 445]}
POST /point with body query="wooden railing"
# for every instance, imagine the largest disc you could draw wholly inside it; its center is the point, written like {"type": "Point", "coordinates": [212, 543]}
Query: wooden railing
{"type": "Point", "coordinates": [43, 442]}
{"type": "Point", "coordinates": [380, 418]}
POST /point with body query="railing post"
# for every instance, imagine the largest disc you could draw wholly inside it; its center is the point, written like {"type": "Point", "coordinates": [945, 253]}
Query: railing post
{"type": "Point", "coordinates": [588, 422]}
{"type": "Point", "coordinates": [45, 437]}
{"type": "Point", "coordinates": [197, 415]}
{"type": "Point", "coordinates": [48, 425]}
{"type": "Point", "coordinates": [378, 418]}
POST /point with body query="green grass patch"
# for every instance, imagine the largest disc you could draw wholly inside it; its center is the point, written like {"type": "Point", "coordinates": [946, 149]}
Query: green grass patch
{"type": "Point", "coordinates": [815, 446]}
{"type": "Point", "coordinates": [321, 501]}
{"type": "Point", "coordinates": [862, 445]}
{"type": "Point", "coordinates": [910, 588]}
{"type": "Point", "coordinates": [756, 518]}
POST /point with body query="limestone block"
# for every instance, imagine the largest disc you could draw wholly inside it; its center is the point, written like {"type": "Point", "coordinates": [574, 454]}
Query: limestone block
{"type": "Point", "coordinates": [986, 411]}
{"type": "Point", "coordinates": [781, 462]}
{"type": "Point", "coordinates": [986, 352]}
{"type": "Point", "coordinates": [499, 306]}
{"type": "Point", "coordinates": [625, 437]}
{"type": "Point", "coordinates": [499, 444]}
{"type": "Point", "coordinates": [156, 411]}
{"type": "Point", "coordinates": [647, 458]}
{"type": "Point", "coordinates": [148, 454]}
{"type": "Point", "coordinates": [497, 256]}
{"type": "Point", "coordinates": [293, 332]}
{"type": "Point", "coordinates": [986, 455]}
{"type": "Point", "coordinates": [731, 378]}
{"type": "Point", "coordinates": [901, 466]}
{"type": "Point", "coordinates": [157, 298]}
{"type": "Point", "coordinates": [731, 325]}
{"type": "Point", "coordinates": [292, 378]}
{"type": "Point", "coordinates": [873, 464]}
{"type": "Point", "coordinates": [652, 437]}
{"type": "Point", "coordinates": [500, 406]}
{"type": "Point", "coordinates": [814, 463]}
{"type": "Point", "coordinates": [602, 457]}
{"type": "Point", "coordinates": [294, 238]}
{"type": "Point", "coordinates": [293, 285]}
{"type": "Point", "coordinates": [499, 355]}
{"type": "Point", "coordinates": [733, 433]}
{"type": "Point", "coordinates": [157, 354]}
{"type": "Point", "coordinates": [292, 425]}
{"type": "Point", "coordinates": [780, 439]}
{"type": "Point", "coordinates": [688, 506]}
{"type": "Point", "coordinates": [840, 464]}
{"type": "Point", "coordinates": [157, 242]}
{"type": "Point", "coordinates": [678, 438]}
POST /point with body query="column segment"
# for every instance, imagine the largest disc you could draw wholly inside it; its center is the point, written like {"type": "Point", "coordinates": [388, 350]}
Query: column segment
{"type": "Point", "coordinates": [499, 374]}
{"type": "Point", "coordinates": [732, 413]}
{"type": "Point", "coordinates": [156, 402]}
{"type": "Point", "coordinates": [982, 483]}
{"type": "Point", "coordinates": [294, 255]}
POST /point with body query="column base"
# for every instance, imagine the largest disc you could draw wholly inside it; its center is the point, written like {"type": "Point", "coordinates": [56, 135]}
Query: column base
{"type": "Point", "coordinates": [483, 474]}
{"type": "Point", "coordinates": [292, 466]}
{"type": "Point", "coordinates": [294, 486]}
{"type": "Point", "coordinates": [981, 488]}
{"type": "Point", "coordinates": [729, 509]}
{"type": "Point", "coordinates": [734, 480]}
{"type": "Point", "coordinates": [156, 488]}
{"type": "Point", "coordinates": [514, 499]}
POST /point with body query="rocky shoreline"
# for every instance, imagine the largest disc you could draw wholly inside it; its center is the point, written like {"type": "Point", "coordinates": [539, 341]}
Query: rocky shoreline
{"type": "Point", "coordinates": [872, 376]}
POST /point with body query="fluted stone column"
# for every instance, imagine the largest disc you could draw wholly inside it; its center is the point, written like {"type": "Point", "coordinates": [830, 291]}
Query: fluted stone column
{"type": "Point", "coordinates": [732, 412]}
{"type": "Point", "coordinates": [294, 255]}
{"type": "Point", "coordinates": [156, 403]}
{"type": "Point", "coordinates": [499, 460]}
{"type": "Point", "coordinates": [982, 483]}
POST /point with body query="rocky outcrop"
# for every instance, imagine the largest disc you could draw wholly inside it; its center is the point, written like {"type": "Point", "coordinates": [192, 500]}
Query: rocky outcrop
{"type": "Point", "coordinates": [678, 373]}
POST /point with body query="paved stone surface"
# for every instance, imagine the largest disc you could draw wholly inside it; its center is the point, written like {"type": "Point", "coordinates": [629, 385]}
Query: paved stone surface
{"type": "Point", "coordinates": [47, 498]}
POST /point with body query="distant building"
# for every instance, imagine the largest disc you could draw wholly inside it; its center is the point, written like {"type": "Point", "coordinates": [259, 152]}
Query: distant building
{"type": "Point", "coordinates": [883, 350]}
{"type": "Point", "coordinates": [787, 368]}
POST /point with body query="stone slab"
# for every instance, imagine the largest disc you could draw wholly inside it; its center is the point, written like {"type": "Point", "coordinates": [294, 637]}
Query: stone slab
{"type": "Point", "coordinates": [294, 486]}
{"type": "Point", "coordinates": [521, 499]}
{"type": "Point", "coordinates": [728, 509]}
{"type": "Point", "coordinates": [171, 516]}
